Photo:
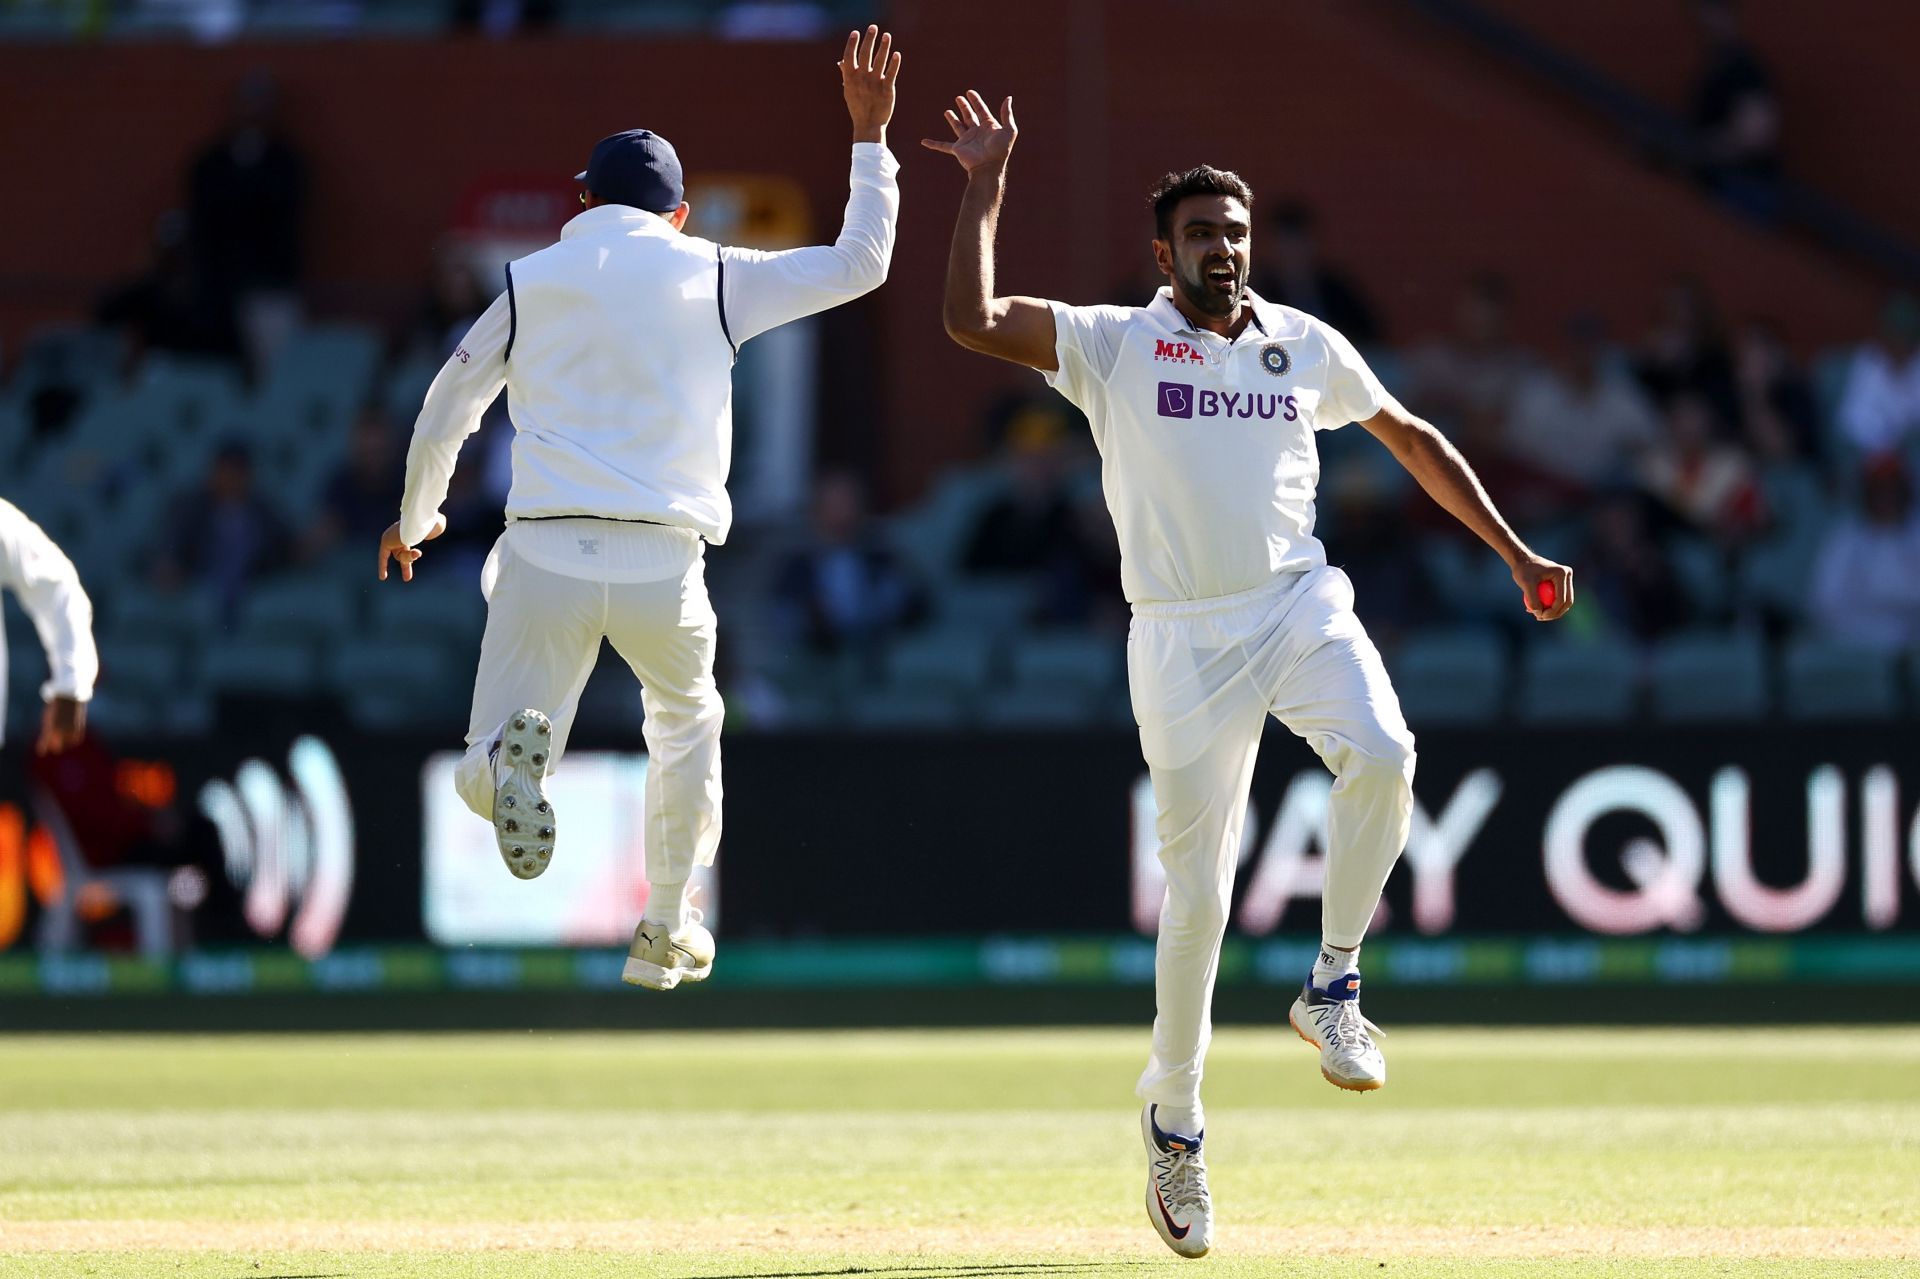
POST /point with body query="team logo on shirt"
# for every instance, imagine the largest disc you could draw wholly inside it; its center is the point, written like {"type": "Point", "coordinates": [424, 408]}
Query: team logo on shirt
{"type": "Point", "coordinates": [1178, 352]}
{"type": "Point", "coordinates": [1275, 360]}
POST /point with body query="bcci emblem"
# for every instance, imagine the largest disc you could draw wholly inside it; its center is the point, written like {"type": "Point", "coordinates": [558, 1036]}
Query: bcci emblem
{"type": "Point", "coordinates": [1275, 360]}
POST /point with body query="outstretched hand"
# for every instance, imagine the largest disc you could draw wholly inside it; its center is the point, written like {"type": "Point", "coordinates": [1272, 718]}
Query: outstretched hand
{"type": "Point", "coordinates": [869, 70]}
{"type": "Point", "coordinates": [394, 547]}
{"type": "Point", "coordinates": [978, 139]}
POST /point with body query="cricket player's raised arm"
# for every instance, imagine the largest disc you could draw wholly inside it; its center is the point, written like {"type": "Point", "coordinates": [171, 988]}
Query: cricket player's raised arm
{"type": "Point", "coordinates": [1019, 329]}
{"type": "Point", "coordinates": [765, 290]}
{"type": "Point", "coordinates": [466, 384]}
{"type": "Point", "coordinates": [1440, 469]}
{"type": "Point", "coordinates": [43, 579]}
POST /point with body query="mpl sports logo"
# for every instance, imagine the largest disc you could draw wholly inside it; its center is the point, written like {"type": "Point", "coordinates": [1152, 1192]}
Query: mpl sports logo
{"type": "Point", "coordinates": [1181, 399]}
{"type": "Point", "coordinates": [1177, 352]}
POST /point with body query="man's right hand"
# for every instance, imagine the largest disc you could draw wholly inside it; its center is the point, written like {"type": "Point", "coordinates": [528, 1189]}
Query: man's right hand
{"type": "Point", "coordinates": [979, 140]}
{"type": "Point", "coordinates": [869, 72]}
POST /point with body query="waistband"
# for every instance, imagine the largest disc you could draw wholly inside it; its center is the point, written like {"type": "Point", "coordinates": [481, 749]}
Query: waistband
{"type": "Point", "coordinates": [1266, 592]}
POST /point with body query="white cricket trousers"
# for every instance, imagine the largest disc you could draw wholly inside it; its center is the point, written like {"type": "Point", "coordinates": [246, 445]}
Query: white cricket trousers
{"type": "Point", "coordinates": [542, 639]}
{"type": "Point", "coordinates": [1204, 675]}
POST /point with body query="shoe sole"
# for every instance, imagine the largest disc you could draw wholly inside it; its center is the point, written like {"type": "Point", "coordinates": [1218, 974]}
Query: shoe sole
{"type": "Point", "coordinates": [640, 972]}
{"type": "Point", "coordinates": [523, 818]}
{"type": "Point", "coordinates": [1350, 1085]}
{"type": "Point", "coordinates": [1177, 1246]}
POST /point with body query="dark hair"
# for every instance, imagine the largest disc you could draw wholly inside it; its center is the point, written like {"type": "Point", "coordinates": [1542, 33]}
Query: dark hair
{"type": "Point", "coordinates": [1172, 188]}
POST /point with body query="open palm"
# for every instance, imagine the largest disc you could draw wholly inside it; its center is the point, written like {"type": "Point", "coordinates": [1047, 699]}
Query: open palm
{"type": "Point", "coordinates": [978, 138]}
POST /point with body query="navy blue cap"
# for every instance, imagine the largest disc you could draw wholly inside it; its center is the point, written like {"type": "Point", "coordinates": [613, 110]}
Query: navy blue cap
{"type": "Point", "coordinates": [637, 168]}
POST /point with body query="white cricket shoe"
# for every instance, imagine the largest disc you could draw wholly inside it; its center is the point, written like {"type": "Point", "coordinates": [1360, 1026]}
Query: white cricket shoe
{"type": "Point", "coordinates": [662, 959]}
{"type": "Point", "coordinates": [1178, 1202]}
{"type": "Point", "coordinates": [1330, 1020]}
{"type": "Point", "coordinates": [523, 822]}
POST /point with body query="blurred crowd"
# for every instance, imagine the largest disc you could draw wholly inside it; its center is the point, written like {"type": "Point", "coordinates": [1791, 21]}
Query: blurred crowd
{"type": "Point", "coordinates": [1699, 473]}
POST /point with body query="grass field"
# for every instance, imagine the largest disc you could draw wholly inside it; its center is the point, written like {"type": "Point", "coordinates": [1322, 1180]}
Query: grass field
{"type": "Point", "coordinates": [949, 1155]}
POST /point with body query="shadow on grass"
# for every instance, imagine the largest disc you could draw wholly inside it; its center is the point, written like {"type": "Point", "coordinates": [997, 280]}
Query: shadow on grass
{"type": "Point", "coordinates": [961, 1270]}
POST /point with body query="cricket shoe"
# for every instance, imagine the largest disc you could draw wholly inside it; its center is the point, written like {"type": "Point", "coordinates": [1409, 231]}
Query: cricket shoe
{"type": "Point", "coordinates": [522, 815]}
{"type": "Point", "coordinates": [1178, 1203]}
{"type": "Point", "coordinates": [1330, 1020]}
{"type": "Point", "coordinates": [662, 959]}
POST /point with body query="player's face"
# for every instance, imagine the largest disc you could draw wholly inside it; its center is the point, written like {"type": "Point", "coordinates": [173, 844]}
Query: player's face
{"type": "Point", "coordinates": [1210, 253]}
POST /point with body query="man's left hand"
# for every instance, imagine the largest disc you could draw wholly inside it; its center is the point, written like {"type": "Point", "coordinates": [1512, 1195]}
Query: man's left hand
{"type": "Point", "coordinates": [62, 724]}
{"type": "Point", "coordinates": [1533, 573]}
{"type": "Point", "coordinates": [394, 548]}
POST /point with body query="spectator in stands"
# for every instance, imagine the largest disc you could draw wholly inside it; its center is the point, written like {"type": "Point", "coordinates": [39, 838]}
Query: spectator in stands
{"type": "Point", "coordinates": [1583, 418]}
{"type": "Point", "coordinates": [1778, 416]}
{"type": "Point", "coordinates": [453, 301]}
{"type": "Point", "coordinates": [172, 307]}
{"type": "Point", "coordinates": [1880, 406]}
{"type": "Point", "coordinates": [1467, 383]}
{"type": "Point", "coordinates": [1039, 527]}
{"type": "Point", "coordinates": [1866, 582]}
{"type": "Point", "coordinates": [222, 536]}
{"type": "Point", "coordinates": [1706, 483]}
{"type": "Point", "coordinates": [502, 18]}
{"type": "Point", "coordinates": [363, 494]}
{"type": "Point", "coordinates": [1736, 116]}
{"type": "Point", "coordinates": [1297, 277]}
{"type": "Point", "coordinates": [1623, 572]}
{"type": "Point", "coordinates": [845, 591]}
{"type": "Point", "coordinates": [247, 201]}
{"type": "Point", "coordinates": [1686, 352]}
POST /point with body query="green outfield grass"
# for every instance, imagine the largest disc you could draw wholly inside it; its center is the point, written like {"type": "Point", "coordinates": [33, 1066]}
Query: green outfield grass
{"type": "Point", "coordinates": [944, 1155]}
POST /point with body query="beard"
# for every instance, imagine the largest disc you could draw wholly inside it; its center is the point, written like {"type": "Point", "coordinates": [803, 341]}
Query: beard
{"type": "Point", "coordinates": [1206, 297]}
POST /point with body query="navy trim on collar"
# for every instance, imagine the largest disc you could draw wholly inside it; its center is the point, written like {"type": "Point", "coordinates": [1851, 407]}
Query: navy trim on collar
{"type": "Point", "coordinates": [513, 315]}
{"type": "Point", "coordinates": [720, 295]}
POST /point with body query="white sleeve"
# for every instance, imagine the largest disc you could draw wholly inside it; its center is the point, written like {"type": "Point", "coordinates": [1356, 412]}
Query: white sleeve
{"type": "Point", "coordinates": [466, 384]}
{"type": "Point", "coordinates": [43, 578]}
{"type": "Point", "coordinates": [763, 290]}
{"type": "Point", "coordinates": [1086, 344]}
{"type": "Point", "coordinates": [1353, 393]}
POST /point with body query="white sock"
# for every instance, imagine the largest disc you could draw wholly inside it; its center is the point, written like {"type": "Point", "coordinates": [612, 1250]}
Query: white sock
{"type": "Point", "coordinates": [667, 904]}
{"type": "Point", "coordinates": [1187, 1121]}
{"type": "Point", "coordinates": [1333, 965]}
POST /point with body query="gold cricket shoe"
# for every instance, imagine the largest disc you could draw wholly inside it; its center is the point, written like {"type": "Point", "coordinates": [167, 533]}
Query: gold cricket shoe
{"type": "Point", "coordinates": [662, 960]}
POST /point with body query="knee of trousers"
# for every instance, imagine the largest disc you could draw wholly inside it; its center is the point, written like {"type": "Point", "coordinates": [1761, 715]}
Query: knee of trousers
{"type": "Point", "coordinates": [1196, 916]}
{"type": "Point", "coordinates": [1386, 758]}
{"type": "Point", "coordinates": [684, 722]}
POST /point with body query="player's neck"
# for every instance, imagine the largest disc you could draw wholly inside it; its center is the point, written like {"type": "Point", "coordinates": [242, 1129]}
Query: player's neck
{"type": "Point", "coordinates": [1227, 326]}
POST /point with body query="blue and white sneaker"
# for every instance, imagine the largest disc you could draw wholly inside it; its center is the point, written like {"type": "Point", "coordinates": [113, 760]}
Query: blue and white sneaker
{"type": "Point", "coordinates": [1178, 1203]}
{"type": "Point", "coordinates": [1330, 1020]}
{"type": "Point", "coordinates": [523, 820]}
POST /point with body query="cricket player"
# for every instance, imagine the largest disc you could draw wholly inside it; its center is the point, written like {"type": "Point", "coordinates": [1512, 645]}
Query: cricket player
{"type": "Point", "coordinates": [1204, 405]}
{"type": "Point", "coordinates": [616, 346]}
{"type": "Point", "coordinates": [42, 578]}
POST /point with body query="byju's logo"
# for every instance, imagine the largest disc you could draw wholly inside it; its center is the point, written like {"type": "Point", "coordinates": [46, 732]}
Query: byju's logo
{"type": "Point", "coordinates": [1176, 399]}
{"type": "Point", "coordinates": [1181, 399]}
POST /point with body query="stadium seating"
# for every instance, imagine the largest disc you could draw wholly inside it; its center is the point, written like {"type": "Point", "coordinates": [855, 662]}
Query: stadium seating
{"type": "Point", "coordinates": [1709, 676]}
{"type": "Point", "coordinates": [1575, 681]}
{"type": "Point", "coordinates": [263, 668]}
{"type": "Point", "coordinates": [905, 708]}
{"type": "Point", "coordinates": [1456, 676]}
{"type": "Point", "coordinates": [953, 663]}
{"type": "Point", "coordinates": [1824, 680]}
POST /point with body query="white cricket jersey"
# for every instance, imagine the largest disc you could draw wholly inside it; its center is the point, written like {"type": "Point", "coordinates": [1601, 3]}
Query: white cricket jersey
{"type": "Point", "coordinates": [1206, 445]}
{"type": "Point", "coordinates": [616, 346]}
{"type": "Point", "coordinates": [43, 579]}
